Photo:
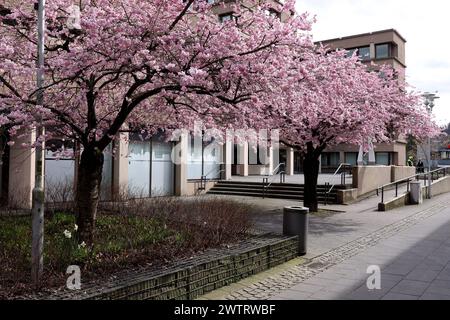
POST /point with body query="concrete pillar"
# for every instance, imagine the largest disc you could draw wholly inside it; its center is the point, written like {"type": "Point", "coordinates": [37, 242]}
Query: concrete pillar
{"type": "Point", "coordinates": [181, 157]}
{"type": "Point", "coordinates": [120, 165]}
{"type": "Point", "coordinates": [342, 157]}
{"type": "Point", "coordinates": [372, 51]}
{"type": "Point", "coordinates": [243, 159]}
{"type": "Point", "coordinates": [228, 158]}
{"type": "Point", "coordinates": [271, 161]}
{"type": "Point", "coordinates": [360, 161]}
{"type": "Point", "coordinates": [290, 162]}
{"type": "Point", "coordinates": [320, 165]}
{"type": "Point", "coordinates": [22, 172]}
{"type": "Point", "coordinates": [372, 158]}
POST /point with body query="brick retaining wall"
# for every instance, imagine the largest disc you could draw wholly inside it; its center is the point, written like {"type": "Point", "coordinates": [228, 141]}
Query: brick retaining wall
{"type": "Point", "coordinates": [191, 278]}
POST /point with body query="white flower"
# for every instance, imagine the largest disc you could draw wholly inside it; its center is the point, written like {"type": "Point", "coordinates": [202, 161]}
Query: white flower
{"type": "Point", "coordinates": [67, 234]}
{"type": "Point", "coordinates": [82, 245]}
{"type": "Point", "coordinates": [75, 228]}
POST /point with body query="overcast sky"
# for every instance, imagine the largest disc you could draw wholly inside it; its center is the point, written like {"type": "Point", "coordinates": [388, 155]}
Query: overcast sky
{"type": "Point", "coordinates": [424, 24]}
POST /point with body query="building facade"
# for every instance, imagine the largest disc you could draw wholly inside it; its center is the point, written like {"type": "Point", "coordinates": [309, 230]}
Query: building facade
{"type": "Point", "coordinates": [386, 47]}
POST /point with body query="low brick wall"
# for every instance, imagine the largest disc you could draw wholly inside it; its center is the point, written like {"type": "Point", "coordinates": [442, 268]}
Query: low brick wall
{"type": "Point", "coordinates": [191, 278]}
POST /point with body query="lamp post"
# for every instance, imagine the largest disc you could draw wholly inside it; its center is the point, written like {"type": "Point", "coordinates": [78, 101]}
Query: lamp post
{"type": "Point", "coordinates": [37, 261]}
{"type": "Point", "coordinates": [429, 104]}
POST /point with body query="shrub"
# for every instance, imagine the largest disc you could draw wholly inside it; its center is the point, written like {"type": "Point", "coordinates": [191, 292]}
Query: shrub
{"type": "Point", "coordinates": [144, 231]}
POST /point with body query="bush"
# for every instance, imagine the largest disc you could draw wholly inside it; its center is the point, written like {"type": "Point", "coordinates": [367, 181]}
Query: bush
{"type": "Point", "coordinates": [142, 232]}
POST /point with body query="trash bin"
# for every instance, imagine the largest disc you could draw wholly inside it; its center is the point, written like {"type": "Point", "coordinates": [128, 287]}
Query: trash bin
{"type": "Point", "coordinates": [416, 194]}
{"type": "Point", "coordinates": [295, 223]}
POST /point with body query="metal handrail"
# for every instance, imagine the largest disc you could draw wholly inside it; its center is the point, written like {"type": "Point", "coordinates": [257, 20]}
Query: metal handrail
{"type": "Point", "coordinates": [334, 175]}
{"type": "Point", "coordinates": [267, 184]}
{"type": "Point", "coordinates": [408, 181]}
{"type": "Point", "coordinates": [204, 178]}
{"type": "Point", "coordinates": [276, 169]}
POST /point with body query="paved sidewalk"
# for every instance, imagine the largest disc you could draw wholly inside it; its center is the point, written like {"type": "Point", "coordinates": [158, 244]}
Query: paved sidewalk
{"type": "Point", "coordinates": [414, 263]}
{"type": "Point", "coordinates": [411, 245]}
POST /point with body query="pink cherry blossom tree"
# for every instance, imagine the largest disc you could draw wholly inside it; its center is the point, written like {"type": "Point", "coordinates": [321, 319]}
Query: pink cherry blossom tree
{"type": "Point", "coordinates": [141, 64]}
{"type": "Point", "coordinates": [336, 100]}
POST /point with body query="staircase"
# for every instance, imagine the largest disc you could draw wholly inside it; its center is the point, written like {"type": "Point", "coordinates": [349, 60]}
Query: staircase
{"type": "Point", "coordinates": [276, 191]}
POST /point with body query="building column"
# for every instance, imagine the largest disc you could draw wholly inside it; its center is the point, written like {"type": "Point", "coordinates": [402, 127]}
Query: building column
{"type": "Point", "coordinates": [272, 163]}
{"type": "Point", "coordinates": [120, 165]}
{"type": "Point", "coordinates": [22, 171]}
{"type": "Point", "coordinates": [180, 158]}
{"type": "Point", "coordinates": [360, 161]}
{"type": "Point", "coordinates": [342, 157]}
{"type": "Point", "coordinates": [228, 158]}
{"type": "Point", "coordinates": [372, 51]}
{"type": "Point", "coordinates": [372, 158]}
{"type": "Point", "coordinates": [290, 161]}
{"type": "Point", "coordinates": [243, 159]}
{"type": "Point", "coordinates": [320, 165]}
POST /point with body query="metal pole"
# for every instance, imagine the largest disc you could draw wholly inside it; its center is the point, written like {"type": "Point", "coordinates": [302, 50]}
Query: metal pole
{"type": "Point", "coordinates": [37, 260]}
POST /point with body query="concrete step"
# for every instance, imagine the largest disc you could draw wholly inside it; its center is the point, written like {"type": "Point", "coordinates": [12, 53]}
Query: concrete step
{"type": "Point", "coordinates": [269, 190]}
{"type": "Point", "coordinates": [289, 191]}
{"type": "Point", "coordinates": [331, 199]}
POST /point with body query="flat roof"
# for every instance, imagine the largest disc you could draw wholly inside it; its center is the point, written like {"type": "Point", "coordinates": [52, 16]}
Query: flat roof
{"type": "Point", "coordinates": [364, 34]}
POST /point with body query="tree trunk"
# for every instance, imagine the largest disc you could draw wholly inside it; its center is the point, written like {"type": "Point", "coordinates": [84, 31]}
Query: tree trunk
{"type": "Point", "coordinates": [88, 192]}
{"type": "Point", "coordinates": [311, 173]}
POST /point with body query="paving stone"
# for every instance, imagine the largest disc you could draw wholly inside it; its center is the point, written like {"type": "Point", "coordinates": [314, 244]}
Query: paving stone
{"type": "Point", "coordinates": [304, 287]}
{"type": "Point", "coordinates": [292, 295]}
{"type": "Point", "coordinates": [424, 275]}
{"type": "Point", "coordinates": [434, 296]}
{"type": "Point", "coordinates": [411, 287]}
{"type": "Point", "coordinates": [398, 296]}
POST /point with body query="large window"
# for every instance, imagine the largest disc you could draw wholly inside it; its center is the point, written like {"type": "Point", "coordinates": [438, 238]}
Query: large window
{"type": "Point", "coordinates": [351, 158]}
{"type": "Point", "coordinates": [364, 53]}
{"type": "Point", "coordinates": [330, 159]}
{"type": "Point", "coordinates": [150, 168]}
{"type": "Point", "coordinates": [383, 158]}
{"type": "Point", "coordinates": [59, 170]}
{"type": "Point", "coordinates": [383, 51]}
{"type": "Point", "coordinates": [204, 159]}
{"type": "Point", "coordinates": [227, 17]}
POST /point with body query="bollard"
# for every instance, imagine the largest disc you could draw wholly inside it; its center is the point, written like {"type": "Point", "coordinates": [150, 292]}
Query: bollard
{"type": "Point", "coordinates": [416, 194]}
{"type": "Point", "coordinates": [295, 223]}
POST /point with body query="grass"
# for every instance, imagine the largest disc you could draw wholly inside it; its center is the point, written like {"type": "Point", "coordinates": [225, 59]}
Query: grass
{"type": "Point", "coordinates": [160, 231]}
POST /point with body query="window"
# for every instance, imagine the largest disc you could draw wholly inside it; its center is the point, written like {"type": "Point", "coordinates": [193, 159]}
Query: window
{"type": "Point", "coordinates": [350, 52]}
{"type": "Point", "coordinates": [227, 17]}
{"type": "Point", "coordinates": [364, 53]}
{"type": "Point", "coordinates": [383, 51]}
{"type": "Point", "coordinates": [273, 13]}
{"type": "Point", "coordinates": [351, 158]}
{"type": "Point", "coordinates": [383, 158]}
{"type": "Point", "coordinates": [330, 159]}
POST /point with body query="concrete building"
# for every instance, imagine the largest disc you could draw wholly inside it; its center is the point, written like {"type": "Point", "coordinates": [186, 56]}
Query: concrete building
{"type": "Point", "coordinates": [375, 49]}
